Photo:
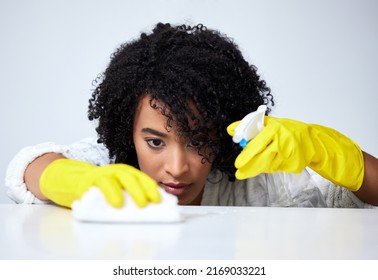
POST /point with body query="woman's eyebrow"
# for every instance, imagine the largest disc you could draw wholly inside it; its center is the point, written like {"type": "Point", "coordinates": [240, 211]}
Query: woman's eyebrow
{"type": "Point", "coordinates": [155, 132]}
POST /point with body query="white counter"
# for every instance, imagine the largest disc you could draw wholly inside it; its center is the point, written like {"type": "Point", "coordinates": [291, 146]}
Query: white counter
{"type": "Point", "coordinates": [50, 232]}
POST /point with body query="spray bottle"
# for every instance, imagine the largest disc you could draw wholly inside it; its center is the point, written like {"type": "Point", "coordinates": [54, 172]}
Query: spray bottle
{"type": "Point", "coordinates": [250, 126]}
{"type": "Point", "coordinates": [283, 189]}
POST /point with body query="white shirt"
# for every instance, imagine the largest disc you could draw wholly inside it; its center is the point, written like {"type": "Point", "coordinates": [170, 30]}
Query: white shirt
{"type": "Point", "coordinates": [307, 189]}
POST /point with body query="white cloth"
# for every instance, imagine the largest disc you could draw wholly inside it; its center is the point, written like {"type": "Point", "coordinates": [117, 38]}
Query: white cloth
{"type": "Point", "coordinates": [307, 189]}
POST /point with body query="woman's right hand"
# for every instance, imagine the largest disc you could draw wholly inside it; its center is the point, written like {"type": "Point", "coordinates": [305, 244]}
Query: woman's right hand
{"type": "Point", "coordinates": [64, 180]}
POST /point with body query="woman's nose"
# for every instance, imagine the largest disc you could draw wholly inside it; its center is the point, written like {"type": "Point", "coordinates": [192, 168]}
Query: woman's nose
{"type": "Point", "coordinates": [177, 163]}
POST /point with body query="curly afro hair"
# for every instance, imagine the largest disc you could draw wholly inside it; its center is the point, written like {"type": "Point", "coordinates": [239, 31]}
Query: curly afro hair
{"type": "Point", "coordinates": [178, 65]}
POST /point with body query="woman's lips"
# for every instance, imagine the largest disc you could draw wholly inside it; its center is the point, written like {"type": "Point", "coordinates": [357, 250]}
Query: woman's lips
{"type": "Point", "coordinates": [175, 189]}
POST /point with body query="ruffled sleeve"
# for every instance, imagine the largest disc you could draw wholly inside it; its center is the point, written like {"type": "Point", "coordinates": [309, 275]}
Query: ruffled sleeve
{"type": "Point", "coordinates": [85, 150]}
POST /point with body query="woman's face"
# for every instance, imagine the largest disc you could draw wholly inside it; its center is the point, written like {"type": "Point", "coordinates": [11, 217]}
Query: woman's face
{"type": "Point", "coordinates": [173, 162]}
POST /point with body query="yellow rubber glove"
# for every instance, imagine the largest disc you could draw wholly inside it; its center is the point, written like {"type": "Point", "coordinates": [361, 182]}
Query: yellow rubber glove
{"type": "Point", "coordinates": [289, 146]}
{"type": "Point", "coordinates": [64, 181]}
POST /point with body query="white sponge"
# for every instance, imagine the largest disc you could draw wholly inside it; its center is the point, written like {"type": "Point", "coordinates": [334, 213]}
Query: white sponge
{"type": "Point", "coordinates": [93, 207]}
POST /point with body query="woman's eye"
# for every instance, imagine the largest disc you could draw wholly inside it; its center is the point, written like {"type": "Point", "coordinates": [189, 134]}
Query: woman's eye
{"type": "Point", "coordinates": [196, 144]}
{"type": "Point", "coordinates": [154, 143]}
{"type": "Point", "coordinates": [198, 141]}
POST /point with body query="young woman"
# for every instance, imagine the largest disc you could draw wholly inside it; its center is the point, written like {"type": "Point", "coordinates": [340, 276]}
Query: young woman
{"type": "Point", "coordinates": [167, 106]}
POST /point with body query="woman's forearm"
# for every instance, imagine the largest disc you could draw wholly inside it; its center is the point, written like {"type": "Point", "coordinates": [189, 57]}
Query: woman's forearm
{"type": "Point", "coordinates": [34, 170]}
{"type": "Point", "coordinates": [369, 189]}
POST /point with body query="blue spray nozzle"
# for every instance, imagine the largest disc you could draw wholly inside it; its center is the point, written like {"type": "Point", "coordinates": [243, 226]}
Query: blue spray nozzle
{"type": "Point", "coordinates": [243, 143]}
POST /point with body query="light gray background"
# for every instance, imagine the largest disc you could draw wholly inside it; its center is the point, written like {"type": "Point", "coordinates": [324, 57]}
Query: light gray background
{"type": "Point", "coordinates": [319, 58]}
